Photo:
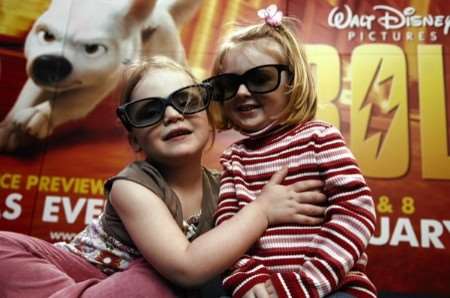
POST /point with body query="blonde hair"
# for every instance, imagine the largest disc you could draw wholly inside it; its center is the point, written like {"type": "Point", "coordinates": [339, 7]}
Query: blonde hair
{"type": "Point", "coordinates": [136, 71]}
{"type": "Point", "coordinates": [302, 103]}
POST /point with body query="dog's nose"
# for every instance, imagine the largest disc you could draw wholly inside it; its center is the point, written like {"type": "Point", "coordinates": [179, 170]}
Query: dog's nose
{"type": "Point", "coordinates": [50, 69]}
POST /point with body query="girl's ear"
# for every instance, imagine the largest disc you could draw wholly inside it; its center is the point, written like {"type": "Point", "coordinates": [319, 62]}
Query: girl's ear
{"type": "Point", "coordinates": [134, 143]}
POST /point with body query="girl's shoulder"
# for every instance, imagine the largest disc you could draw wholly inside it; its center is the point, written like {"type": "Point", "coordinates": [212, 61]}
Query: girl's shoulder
{"type": "Point", "coordinates": [140, 172]}
{"type": "Point", "coordinates": [303, 134]}
{"type": "Point", "coordinates": [148, 176]}
{"type": "Point", "coordinates": [315, 128]}
{"type": "Point", "coordinates": [294, 135]}
{"type": "Point", "coordinates": [318, 125]}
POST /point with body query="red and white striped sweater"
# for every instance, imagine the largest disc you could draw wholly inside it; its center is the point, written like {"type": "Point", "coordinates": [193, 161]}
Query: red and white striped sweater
{"type": "Point", "coordinates": [301, 261]}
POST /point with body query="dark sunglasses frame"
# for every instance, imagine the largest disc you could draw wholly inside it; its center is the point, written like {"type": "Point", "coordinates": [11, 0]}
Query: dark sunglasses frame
{"type": "Point", "coordinates": [122, 110]}
{"type": "Point", "coordinates": [243, 79]}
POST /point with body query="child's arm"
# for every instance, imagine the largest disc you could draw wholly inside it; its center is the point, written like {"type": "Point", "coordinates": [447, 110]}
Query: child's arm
{"type": "Point", "coordinates": [339, 246]}
{"type": "Point", "coordinates": [165, 247]}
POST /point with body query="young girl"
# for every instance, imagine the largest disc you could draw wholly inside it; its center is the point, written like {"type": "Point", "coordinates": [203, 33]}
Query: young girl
{"type": "Point", "coordinates": [154, 208]}
{"type": "Point", "coordinates": [264, 89]}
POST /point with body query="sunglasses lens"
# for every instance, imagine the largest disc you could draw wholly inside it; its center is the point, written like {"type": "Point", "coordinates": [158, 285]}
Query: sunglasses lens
{"type": "Point", "coordinates": [145, 112]}
{"type": "Point", "coordinates": [224, 86]}
{"type": "Point", "coordinates": [262, 79]}
{"type": "Point", "coordinates": [191, 99]}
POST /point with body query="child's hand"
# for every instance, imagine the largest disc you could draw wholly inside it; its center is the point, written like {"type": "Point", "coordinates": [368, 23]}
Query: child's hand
{"type": "Point", "coordinates": [296, 203]}
{"type": "Point", "coordinates": [262, 290]}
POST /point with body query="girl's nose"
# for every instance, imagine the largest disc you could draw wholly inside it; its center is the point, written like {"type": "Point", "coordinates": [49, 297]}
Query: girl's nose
{"type": "Point", "coordinates": [171, 115]}
{"type": "Point", "coordinates": [243, 91]}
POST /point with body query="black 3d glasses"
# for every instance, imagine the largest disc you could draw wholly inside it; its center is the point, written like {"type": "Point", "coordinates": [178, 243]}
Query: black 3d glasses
{"type": "Point", "coordinates": [258, 80]}
{"type": "Point", "coordinates": [149, 111]}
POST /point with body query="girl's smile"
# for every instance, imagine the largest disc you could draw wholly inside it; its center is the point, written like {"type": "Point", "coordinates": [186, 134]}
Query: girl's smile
{"type": "Point", "coordinates": [247, 107]}
{"type": "Point", "coordinates": [252, 112]}
{"type": "Point", "coordinates": [176, 134]}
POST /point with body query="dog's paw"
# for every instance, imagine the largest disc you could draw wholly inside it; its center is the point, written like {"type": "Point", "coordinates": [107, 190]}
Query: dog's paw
{"type": "Point", "coordinates": [8, 137]}
{"type": "Point", "coordinates": [34, 122]}
{"type": "Point", "coordinates": [39, 125]}
{"type": "Point", "coordinates": [13, 139]}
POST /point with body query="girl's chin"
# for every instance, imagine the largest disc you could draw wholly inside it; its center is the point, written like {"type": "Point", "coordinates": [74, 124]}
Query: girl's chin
{"type": "Point", "coordinates": [181, 153]}
{"type": "Point", "coordinates": [252, 128]}
{"type": "Point", "coordinates": [251, 124]}
{"type": "Point", "coordinates": [178, 153]}
{"type": "Point", "coordinates": [174, 159]}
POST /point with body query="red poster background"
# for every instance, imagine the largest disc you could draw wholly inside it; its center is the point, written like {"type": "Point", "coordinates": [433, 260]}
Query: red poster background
{"type": "Point", "coordinates": [95, 148]}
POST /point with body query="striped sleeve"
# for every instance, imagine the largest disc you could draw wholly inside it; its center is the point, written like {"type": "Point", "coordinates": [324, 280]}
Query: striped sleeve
{"type": "Point", "coordinates": [339, 246]}
{"type": "Point", "coordinates": [247, 273]}
{"type": "Point", "coordinates": [349, 224]}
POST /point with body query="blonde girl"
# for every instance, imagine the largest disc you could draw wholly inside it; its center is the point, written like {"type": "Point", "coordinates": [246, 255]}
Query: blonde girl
{"type": "Point", "coordinates": [263, 87]}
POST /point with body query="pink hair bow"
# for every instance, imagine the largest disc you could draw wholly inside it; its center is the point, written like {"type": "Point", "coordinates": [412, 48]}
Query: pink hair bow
{"type": "Point", "coordinates": [271, 15]}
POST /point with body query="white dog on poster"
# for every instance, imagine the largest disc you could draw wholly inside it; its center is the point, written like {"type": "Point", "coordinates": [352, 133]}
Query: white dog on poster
{"type": "Point", "coordinates": [74, 54]}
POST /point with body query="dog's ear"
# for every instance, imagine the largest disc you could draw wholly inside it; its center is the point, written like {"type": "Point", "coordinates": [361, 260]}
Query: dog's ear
{"type": "Point", "coordinates": [139, 11]}
{"type": "Point", "coordinates": [183, 10]}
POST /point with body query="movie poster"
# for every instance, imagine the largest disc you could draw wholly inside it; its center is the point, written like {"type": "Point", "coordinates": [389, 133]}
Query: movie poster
{"type": "Point", "coordinates": [382, 73]}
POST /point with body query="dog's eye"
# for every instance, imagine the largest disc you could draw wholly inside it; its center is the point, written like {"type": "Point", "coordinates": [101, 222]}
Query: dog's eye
{"type": "Point", "coordinates": [45, 36]}
{"type": "Point", "coordinates": [94, 49]}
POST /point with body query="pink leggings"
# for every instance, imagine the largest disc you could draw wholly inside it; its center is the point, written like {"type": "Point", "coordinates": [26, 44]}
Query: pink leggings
{"type": "Point", "coordinates": [30, 267]}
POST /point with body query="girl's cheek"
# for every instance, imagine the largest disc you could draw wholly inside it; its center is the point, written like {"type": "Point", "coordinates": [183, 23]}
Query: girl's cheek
{"type": "Point", "coordinates": [226, 110]}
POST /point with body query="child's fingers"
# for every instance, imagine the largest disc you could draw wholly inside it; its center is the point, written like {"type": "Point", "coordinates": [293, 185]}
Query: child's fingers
{"type": "Point", "coordinates": [310, 210]}
{"type": "Point", "coordinates": [279, 175]}
{"type": "Point", "coordinates": [307, 185]}
{"type": "Point", "coordinates": [258, 291]}
{"type": "Point", "coordinates": [270, 289]}
{"type": "Point", "coordinates": [311, 197]}
{"type": "Point", "coordinates": [261, 292]}
{"type": "Point", "coordinates": [249, 294]}
{"type": "Point", "coordinates": [306, 220]}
